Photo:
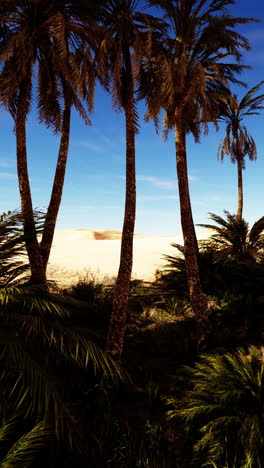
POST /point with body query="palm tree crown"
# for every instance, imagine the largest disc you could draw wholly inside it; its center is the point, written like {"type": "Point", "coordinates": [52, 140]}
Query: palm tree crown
{"type": "Point", "coordinates": [192, 69]}
{"type": "Point", "coordinates": [44, 38]}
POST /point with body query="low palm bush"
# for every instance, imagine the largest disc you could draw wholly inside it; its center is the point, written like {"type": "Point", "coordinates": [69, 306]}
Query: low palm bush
{"type": "Point", "coordinates": [233, 238]}
{"type": "Point", "coordinates": [224, 411]}
{"type": "Point", "coordinates": [230, 261]}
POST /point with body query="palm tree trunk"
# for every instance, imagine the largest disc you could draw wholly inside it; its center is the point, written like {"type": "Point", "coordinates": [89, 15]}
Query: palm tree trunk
{"type": "Point", "coordinates": [115, 339]}
{"type": "Point", "coordinates": [189, 236]}
{"type": "Point", "coordinates": [56, 194]}
{"type": "Point", "coordinates": [239, 159]}
{"type": "Point", "coordinates": [35, 259]}
{"type": "Point", "coordinates": [240, 188]}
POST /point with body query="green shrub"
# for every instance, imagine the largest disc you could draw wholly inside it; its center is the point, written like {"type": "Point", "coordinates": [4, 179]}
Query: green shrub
{"type": "Point", "coordinates": [224, 411]}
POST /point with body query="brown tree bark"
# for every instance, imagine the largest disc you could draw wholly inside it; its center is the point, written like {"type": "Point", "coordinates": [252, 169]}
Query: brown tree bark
{"type": "Point", "coordinates": [57, 189]}
{"type": "Point", "coordinates": [38, 275]}
{"type": "Point", "coordinates": [240, 188]}
{"type": "Point", "coordinates": [239, 159]}
{"type": "Point", "coordinates": [115, 339]}
{"type": "Point", "coordinates": [197, 298]}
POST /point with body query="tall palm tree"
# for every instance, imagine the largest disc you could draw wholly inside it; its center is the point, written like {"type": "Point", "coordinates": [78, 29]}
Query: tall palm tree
{"type": "Point", "coordinates": [119, 58]}
{"type": "Point", "coordinates": [237, 142]}
{"type": "Point", "coordinates": [53, 39]}
{"type": "Point", "coordinates": [189, 74]}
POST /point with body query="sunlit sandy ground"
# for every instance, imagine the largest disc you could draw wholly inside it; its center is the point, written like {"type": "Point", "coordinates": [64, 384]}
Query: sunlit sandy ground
{"type": "Point", "coordinates": [75, 251]}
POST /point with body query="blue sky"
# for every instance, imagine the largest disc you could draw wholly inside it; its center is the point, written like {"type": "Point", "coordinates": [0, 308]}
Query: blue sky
{"type": "Point", "coordinates": [94, 186]}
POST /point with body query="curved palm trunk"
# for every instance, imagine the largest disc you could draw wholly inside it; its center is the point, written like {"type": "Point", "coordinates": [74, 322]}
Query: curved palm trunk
{"type": "Point", "coordinates": [57, 189]}
{"type": "Point", "coordinates": [190, 241]}
{"type": "Point", "coordinates": [240, 188]}
{"type": "Point", "coordinates": [115, 339]}
{"type": "Point", "coordinates": [35, 259]}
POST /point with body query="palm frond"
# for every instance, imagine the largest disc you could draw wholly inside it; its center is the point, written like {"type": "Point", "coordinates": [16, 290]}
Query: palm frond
{"type": "Point", "coordinates": [24, 450]}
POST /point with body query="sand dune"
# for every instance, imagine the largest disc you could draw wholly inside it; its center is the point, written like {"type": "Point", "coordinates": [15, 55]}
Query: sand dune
{"type": "Point", "coordinates": [77, 250]}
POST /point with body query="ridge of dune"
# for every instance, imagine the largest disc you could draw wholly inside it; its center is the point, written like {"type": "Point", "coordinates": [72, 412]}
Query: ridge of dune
{"type": "Point", "coordinates": [89, 234]}
{"type": "Point", "coordinates": [75, 251]}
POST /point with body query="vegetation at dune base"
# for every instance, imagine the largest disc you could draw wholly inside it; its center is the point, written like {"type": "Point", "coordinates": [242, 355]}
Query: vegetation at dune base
{"type": "Point", "coordinates": [129, 374]}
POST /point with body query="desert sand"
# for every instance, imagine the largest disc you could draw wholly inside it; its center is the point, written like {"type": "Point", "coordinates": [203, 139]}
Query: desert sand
{"type": "Point", "coordinates": [76, 252]}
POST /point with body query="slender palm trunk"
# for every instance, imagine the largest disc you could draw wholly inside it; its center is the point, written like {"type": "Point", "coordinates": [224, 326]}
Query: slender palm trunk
{"type": "Point", "coordinates": [115, 339]}
{"type": "Point", "coordinates": [239, 158]}
{"type": "Point", "coordinates": [35, 259]}
{"type": "Point", "coordinates": [190, 241]}
{"type": "Point", "coordinates": [57, 189]}
{"type": "Point", "coordinates": [240, 188]}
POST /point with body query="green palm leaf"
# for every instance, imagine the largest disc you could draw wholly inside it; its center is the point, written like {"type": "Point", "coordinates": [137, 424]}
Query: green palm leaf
{"type": "Point", "coordinates": [24, 450]}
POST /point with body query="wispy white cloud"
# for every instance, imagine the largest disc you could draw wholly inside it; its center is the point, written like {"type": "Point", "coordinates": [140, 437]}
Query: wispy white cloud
{"type": "Point", "coordinates": [192, 178]}
{"type": "Point", "coordinates": [157, 198]}
{"type": "Point", "coordinates": [157, 182]}
{"type": "Point", "coordinates": [88, 145]}
{"type": "Point", "coordinates": [102, 136]}
{"type": "Point", "coordinates": [6, 161]}
{"type": "Point", "coordinates": [8, 176]}
{"type": "Point", "coordinates": [84, 208]}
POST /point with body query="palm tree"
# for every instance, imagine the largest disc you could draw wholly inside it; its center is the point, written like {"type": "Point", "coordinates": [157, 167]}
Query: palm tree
{"type": "Point", "coordinates": [126, 31]}
{"type": "Point", "coordinates": [237, 142]}
{"type": "Point", "coordinates": [233, 238]}
{"type": "Point", "coordinates": [189, 74]}
{"type": "Point", "coordinates": [53, 38]}
{"type": "Point", "coordinates": [226, 406]}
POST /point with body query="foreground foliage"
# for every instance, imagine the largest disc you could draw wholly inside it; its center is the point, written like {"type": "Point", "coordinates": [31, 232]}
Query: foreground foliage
{"type": "Point", "coordinates": [225, 408]}
{"type": "Point", "coordinates": [47, 363]}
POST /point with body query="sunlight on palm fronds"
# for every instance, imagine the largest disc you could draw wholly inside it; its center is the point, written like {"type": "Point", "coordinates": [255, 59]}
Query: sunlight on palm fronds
{"type": "Point", "coordinates": [23, 451]}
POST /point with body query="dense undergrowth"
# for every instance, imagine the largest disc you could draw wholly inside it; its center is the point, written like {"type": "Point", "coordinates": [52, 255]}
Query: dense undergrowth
{"type": "Point", "coordinates": [183, 398]}
{"type": "Point", "coordinates": [143, 421]}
